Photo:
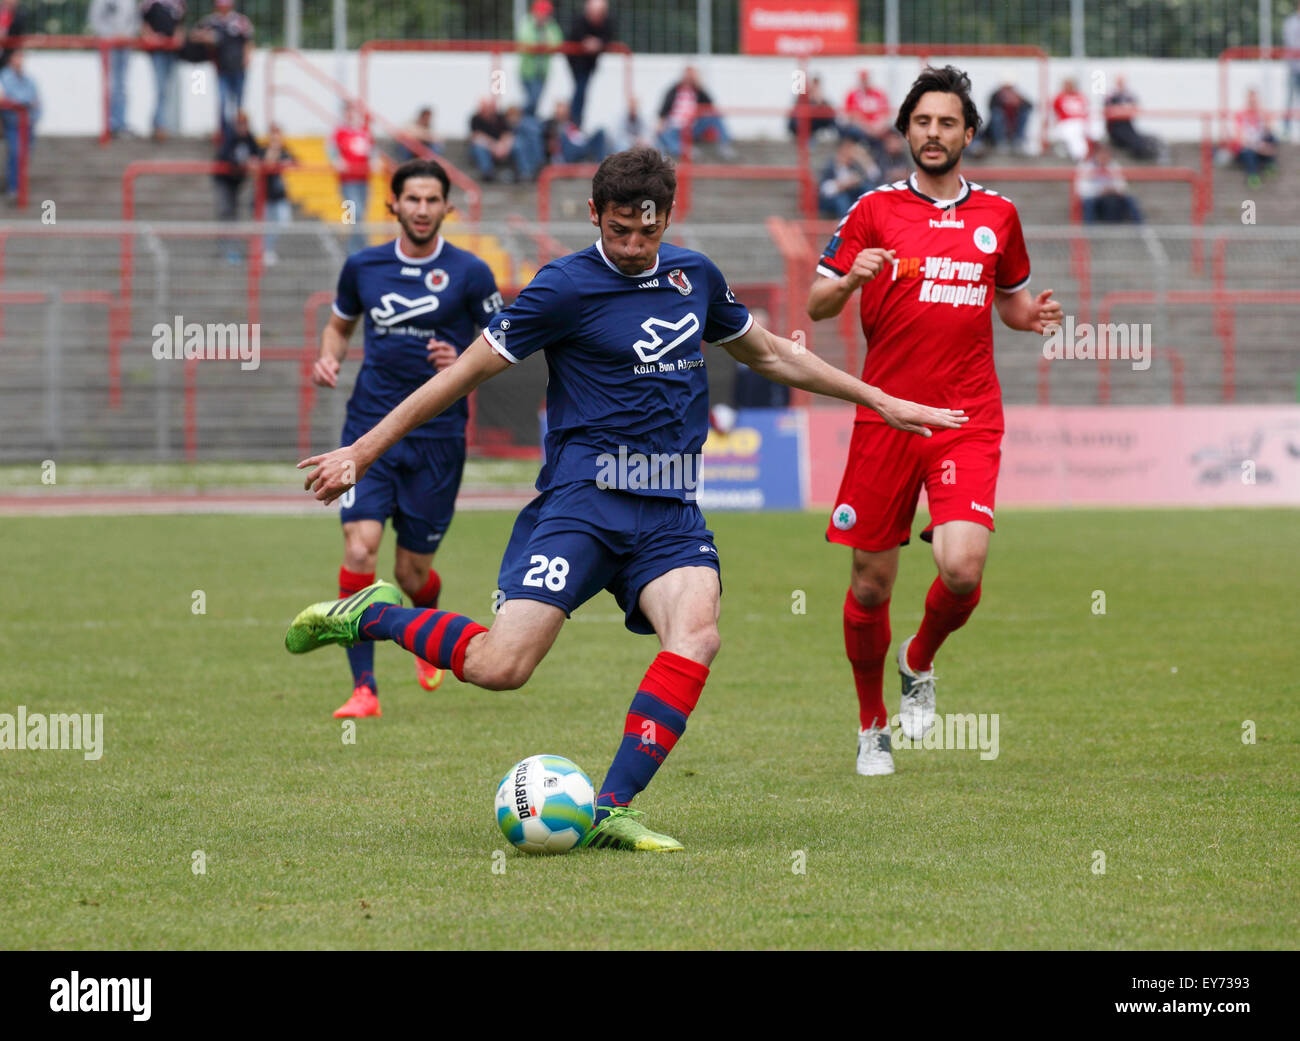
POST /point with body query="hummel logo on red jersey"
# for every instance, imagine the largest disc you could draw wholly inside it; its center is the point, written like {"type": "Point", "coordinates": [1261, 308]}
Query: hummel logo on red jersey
{"type": "Point", "coordinates": [949, 219]}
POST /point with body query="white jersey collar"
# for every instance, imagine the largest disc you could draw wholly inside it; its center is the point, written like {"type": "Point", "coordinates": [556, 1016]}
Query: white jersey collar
{"type": "Point", "coordinates": [397, 248]}
{"type": "Point", "coordinates": [647, 273]}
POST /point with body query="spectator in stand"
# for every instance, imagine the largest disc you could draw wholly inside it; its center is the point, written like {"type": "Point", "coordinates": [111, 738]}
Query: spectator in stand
{"type": "Point", "coordinates": [278, 208]}
{"type": "Point", "coordinates": [13, 22]}
{"type": "Point", "coordinates": [160, 27]}
{"type": "Point", "coordinates": [566, 142]}
{"type": "Point", "coordinates": [115, 20]}
{"type": "Point", "coordinates": [632, 132]}
{"type": "Point", "coordinates": [1121, 107]}
{"type": "Point", "coordinates": [850, 172]}
{"type": "Point", "coordinates": [230, 34]}
{"type": "Point", "coordinates": [1008, 117]}
{"type": "Point", "coordinates": [593, 29]}
{"type": "Point", "coordinates": [351, 151]}
{"type": "Point", "coordinates": [491, 141]}
{"type": "Point", "coordinates": [538, 27]}
{"type": "Point", "coordinates": [814, 108]}
{"type": "Point", "coordinates": [1071, 111]}
{"type": "Point", "coordinates": [529, 151]}
{"type": "Point", "coordinates": [1103, 191]}
{"type": "Point", "coordinates": [687, 104]}
{"type": "Point", "coordinates": [240, 150]}
{"type": "Point", "coordinates": [16, 86]}
{"type": "Point", "coordinates": [1291, 41]}
{"type": "Point", "coordinates": [894, 160]}
{"type": "Point", "coordinates": [1253, 141]}
{"type": "Point", "coordinates": [867, 118]}
{"type": "Point", "coordinates": [417, 132]}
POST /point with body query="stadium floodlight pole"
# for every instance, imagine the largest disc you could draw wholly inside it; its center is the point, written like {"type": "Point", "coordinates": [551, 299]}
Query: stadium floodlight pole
{"type": "Point", "coordinates": [704, 26]}
{"type": "Point", "coordinates": [891, 48]}
{"type": "Point", "coordinates": [293, 24]}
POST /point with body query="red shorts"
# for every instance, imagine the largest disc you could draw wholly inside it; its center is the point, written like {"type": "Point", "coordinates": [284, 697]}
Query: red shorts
{"type": "Point", "coordinates": [886, 470]}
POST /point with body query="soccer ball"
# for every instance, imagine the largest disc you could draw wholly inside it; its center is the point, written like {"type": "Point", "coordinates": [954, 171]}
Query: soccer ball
{"type": "Point", "coordinates": [545, 804]}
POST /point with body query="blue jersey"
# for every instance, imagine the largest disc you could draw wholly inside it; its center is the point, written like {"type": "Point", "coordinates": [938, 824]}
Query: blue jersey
{"type": "Point", "coordinates": [448, 296]}
{"type": "Point", "coordinates": [628, 397]}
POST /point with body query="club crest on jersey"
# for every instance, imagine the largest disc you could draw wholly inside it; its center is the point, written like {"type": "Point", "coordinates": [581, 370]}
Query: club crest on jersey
{"type": "Point", "coordinates": [437, 280]}
{"type": "Point", "coordinates": [844, 517]}
{"type": "Point", "coordinates": [985, 240]}
{"type": "Point", "coordinates": [678, 280]}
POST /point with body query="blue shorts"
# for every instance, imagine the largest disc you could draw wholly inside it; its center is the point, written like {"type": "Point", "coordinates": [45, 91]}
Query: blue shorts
{"type": "Point", "coordinates": [415, 483]}
{"type": "Point", "coordinates": [573, 541]}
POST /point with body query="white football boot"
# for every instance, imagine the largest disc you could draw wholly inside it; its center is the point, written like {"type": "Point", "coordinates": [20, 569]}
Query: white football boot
{"type": "Point", "coordinates": [875, 754]}
{"type": "Point", "coordinates": [916, 706]}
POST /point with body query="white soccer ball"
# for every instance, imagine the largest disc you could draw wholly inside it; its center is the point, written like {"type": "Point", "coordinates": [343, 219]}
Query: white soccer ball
{"type": "Point", "coordinates": [545, 804]}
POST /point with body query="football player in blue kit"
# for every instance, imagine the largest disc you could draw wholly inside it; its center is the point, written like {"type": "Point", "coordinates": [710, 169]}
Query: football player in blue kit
{"type": "Point", "coordinates": [423, 301]}
{"type": "Point", "coordinates": [623, 324]}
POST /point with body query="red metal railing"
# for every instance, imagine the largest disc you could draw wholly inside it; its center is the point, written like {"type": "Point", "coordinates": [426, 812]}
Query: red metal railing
{"type": "Point", "coordinates": [1231, 54]}
{"type": "Point", "coordinates": [494, 48]}
{"type": "Point", "coordinates": [461, 180]}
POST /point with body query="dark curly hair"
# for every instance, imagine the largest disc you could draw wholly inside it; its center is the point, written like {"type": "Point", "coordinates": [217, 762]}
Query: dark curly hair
{"type": "Point", "coordinates": [948, 80]}
{"type": "Point", "coordinates": [629, 178]}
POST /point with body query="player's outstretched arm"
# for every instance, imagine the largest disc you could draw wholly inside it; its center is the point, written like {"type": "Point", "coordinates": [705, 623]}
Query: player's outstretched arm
{"type": "Point", "coordinates": [794, 365]}
{"type": "Point", "coordinates": [1030, 314]}
{"type": "Point", "coordinates": [339, 470]}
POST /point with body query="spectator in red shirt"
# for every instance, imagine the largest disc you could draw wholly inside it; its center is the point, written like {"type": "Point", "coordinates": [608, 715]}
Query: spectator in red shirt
{"type": "Point", "coordinates": [1253, 140]}
{"type": "Point", "coordinates": [351, 149]}
{"type": "Point", "coordinates": [1071, 111]}
{"type": "Point", "coordinates": [687, 104]}
{"type": "Point", "coordinates": [867, 117]}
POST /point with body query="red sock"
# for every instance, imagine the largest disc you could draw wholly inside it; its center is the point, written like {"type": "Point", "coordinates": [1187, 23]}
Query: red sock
{"type": "Point", "coordinates": [945, 612]}
{"type": "Point", "coordinates": [866, 640]}
{"type": "Point", "coordinates": [353, 581]}
{"type": "Point", "coordinates": [428, 594]}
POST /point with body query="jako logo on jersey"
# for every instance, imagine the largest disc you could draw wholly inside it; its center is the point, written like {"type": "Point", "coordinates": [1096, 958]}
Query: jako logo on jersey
{"type": "Point", "coordinates": [387, 312]}
{"type": "Point", "coordinates": [985, 240]}
{"type": "Point", "coordinates": [678, 280]}
{"type": "Point", "coordinates": [844, 517]}
{"type": "Point", "coordinates": [655, 348]}
{"type": "Point", "coordinates": [652, 284]}
{"type": "Point", "coordinates": [437, 280]}
{"type": "Point", "coordinates": [415, 271]}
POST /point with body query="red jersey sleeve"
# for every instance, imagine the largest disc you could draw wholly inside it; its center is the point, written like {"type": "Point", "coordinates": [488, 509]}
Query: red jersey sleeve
{"type": "Point", "coordinates": [852, 235]}
{"type": "Point", "coordinates": [1013, 261]}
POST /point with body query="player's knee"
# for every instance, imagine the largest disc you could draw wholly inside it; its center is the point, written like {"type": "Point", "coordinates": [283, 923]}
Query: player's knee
{"type": "Point", "coordinates": [962, 576]}
{"type": "Point", "coordinates": [498, 673]}
{"type": "Point", "coordinates": [409, 578]}
{"type": "Point", "coordinates": [359, 556]}
{"type": "Point", "coordinates": [700, 644]}
{"type": "Point", "coordinates": [871, 588]}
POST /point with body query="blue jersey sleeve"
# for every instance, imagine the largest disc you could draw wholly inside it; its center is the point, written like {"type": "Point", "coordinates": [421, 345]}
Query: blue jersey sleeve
{"type": "Point", "coordinates": [347, 298]}
{"type": "Point", "coordinates": [482, 300]}
{"type": "Point", "coordinates": [727, 318]}
{"type": "Point", "coordinates": [543, 315]}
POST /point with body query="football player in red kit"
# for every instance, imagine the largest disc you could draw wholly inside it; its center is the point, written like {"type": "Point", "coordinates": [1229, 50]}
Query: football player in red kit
{"type": "Point", "coordinates": [933, 255]}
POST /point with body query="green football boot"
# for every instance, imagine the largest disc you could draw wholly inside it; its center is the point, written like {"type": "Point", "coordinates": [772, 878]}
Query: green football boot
{"type": "Point", "coordinates": [622, 830]}
{"type": "Point", "coordinates": [336, 621]}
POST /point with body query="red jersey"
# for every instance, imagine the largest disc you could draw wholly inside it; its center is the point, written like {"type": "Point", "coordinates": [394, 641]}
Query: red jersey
{"type": "Point", "coordinates": [928, 319]}
{"type": "Point", "coordinates": [871, 104]}
{"type": "Point", "coordinates": [1070, 105]}
{"type": "Point", "coordinates": [354, 145]}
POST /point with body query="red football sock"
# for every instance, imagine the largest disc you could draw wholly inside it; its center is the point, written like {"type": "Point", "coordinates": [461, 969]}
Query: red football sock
{"type": "Point", "coordinates": [945, 612]}
{"type": "Point", "coordinates": [866, 640]}
{"type": "Point", "coordinates": [353, 581]}
{"type": "Point", "coordinates": [428, 594]}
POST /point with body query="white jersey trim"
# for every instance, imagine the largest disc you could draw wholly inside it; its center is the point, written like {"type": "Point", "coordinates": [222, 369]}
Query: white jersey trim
{"type": "Point", "coordinates": [397, 248]}
{"type": "Point", "coordinates": [345, 317]}
{"type": "Point", "coordinates": [647, 273]}
{"type": "Point", "coordinates": [736, 336]}
{"type": "Point", "coordinates": [1015, 288]}
{"type": "Point", "coordinates": [500, 349]}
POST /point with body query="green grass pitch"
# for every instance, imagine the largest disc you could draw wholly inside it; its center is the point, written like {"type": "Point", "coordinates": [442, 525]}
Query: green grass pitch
{"type": "Point", "coordinates": [1119, 733]}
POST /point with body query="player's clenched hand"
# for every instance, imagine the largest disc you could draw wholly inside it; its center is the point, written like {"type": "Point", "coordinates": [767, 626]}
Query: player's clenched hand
{"type": "Point", "coordinates": [441, 354]}
{"type": "Point", "coordinates": [325, 373]}
{"type": "Point", "coordinates": [868, 264]}
{"type": "Point", "coordinates": [1046, 313]}
{"type": "Point", "coordinates": [335, 473]}
{"type": "Point", "coordinates": [917, 419]}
